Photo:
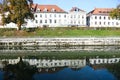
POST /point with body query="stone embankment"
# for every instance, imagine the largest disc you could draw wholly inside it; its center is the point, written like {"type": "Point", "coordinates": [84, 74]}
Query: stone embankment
{"type": "Point", "coordinates": [83, 41]}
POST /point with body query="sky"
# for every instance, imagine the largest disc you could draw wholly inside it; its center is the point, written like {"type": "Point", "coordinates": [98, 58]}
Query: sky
{"type": "Point", "coordinates": [86, 5]}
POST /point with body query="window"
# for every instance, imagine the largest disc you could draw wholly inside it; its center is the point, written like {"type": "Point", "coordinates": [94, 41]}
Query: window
{"type": "Point", "coordinates": [104, 17]}
{"type": "Point", "coordinates": [54, 15]}
{"type": "Point", "coordinates": [38, 10]}
{"type": "Point", "coordinates": [117, 23]}
{"type": "Point", "coordinates": [45, 16]}
{"type": "Point", "coordinates": [50, 15]}
{"type": "Point", "coordinates": [36, 21]}
{"type": "Point", "coordinates": [108, 18]}
{"type": "Point", "coordinates": [36, 15]}
{"type": "Point", "coordinates": [104, 23]}
{"type": "Point", "coordinates": [50, 21]}
{"type": "Point", "coordinates": [45, 21]}
{"type": "Point", "coordinates": [108, 23]}
{"type": "Point", "coordinates": [95, 17]}
{"type": "Point", "coordinates": [100, 23]}
{"type": "Point", "coordinates": [59, 15]}
{"type": "Point", "coordinates": [95, 23]}
{"type": "Point", "coordinates": [82, 17]}
{"type": "Point", "coordinates": [40, 21]}
{"type": "Point", "coordinates": [64, 16]}
{"type": "Point", "coordinates": [40, 15]}
{"type": "Point", "coordinates": [52, 10]}
{"type": "Point", "coordinates": [45, 10]}
{"type": "Point", "coordinates": [55, 21]}
{"type": "Point", "coordinates": [100, 17]}
{"type": "Point", "coordinates": [112, 23]}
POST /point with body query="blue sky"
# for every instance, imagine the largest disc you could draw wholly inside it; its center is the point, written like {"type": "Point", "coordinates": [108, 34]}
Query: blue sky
{"type": "Point", "coordinates": [86, 5]}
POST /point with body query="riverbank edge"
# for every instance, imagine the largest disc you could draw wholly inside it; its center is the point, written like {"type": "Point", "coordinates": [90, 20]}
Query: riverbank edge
{"type": "Point", "coordinates": [65, 42]}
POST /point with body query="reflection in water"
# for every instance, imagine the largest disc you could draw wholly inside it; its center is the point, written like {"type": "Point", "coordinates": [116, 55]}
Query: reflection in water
{"type": "Point", "coordinates": [85, 73]}
{"type": "Point", "coordinates": [68, 48]}
{"type": "Point", "coordinates": [66, 69]}
{"type": "Point", "coordinates": [71, 63]}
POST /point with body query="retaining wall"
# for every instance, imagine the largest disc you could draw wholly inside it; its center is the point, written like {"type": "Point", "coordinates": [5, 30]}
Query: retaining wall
{"type": "Point", "coordinates": [59, 41]}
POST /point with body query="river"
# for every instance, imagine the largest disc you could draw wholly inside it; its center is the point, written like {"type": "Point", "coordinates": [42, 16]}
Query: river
{"type": "Point", "coordinates": [63, 68]}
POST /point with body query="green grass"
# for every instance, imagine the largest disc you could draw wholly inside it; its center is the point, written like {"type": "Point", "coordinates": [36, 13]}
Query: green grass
{"type": "Point", "coordinates": [61, 32]}
{"type": "Point", "coordinates": [61, 55]}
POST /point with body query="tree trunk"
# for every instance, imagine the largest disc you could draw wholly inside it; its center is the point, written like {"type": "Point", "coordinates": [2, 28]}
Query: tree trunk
{"type": "Point", "coordinates": [19, 26]}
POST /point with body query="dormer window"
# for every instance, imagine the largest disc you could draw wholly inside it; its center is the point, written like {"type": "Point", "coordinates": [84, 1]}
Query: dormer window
{"type": "Point", "coordinates": [52, 10]}
{"type": "Point", "coordinates": [38, 10]}
{"type": "Point", "coordinates": [45, 10]}
{"type": "Point", "coordinates": [32, 9]}
{"type": "Point", "coordinates": [76, 9]}
{"type": "Point", "coordinates": [100, 11]}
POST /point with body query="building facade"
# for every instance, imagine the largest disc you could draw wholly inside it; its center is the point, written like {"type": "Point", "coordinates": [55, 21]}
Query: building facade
{"type": "Point", "coordinates": [77, 17]}
{"type": "Point", "coordinates": [54, 16]}
{"type": "Point", "coordinates": [99, 17]}
{"type": "Point", "coordinates": [49, 16]}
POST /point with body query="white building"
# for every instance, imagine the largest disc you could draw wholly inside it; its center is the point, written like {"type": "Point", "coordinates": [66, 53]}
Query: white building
{"type": "Point", "coordinates": [53, 16]}
{"type": "Point", "coordinates": [77, 17]}
{"type": "Point", "coordinates": [50, 16]}
{"type": "Point", "coordinates": [99, 17]}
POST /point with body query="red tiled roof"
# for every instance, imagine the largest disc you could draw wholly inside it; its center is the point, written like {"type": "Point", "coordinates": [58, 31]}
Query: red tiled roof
{"type": "Point", "coordinates": [76, 9]}
{"type": "Point", "coordinates": [101, 11]}
{"type": "Point", "coordinates": [48, 8]}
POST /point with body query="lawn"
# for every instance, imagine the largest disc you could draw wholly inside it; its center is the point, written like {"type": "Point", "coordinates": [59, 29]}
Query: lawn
{"type": "Point", "coordinates": [61, 32]}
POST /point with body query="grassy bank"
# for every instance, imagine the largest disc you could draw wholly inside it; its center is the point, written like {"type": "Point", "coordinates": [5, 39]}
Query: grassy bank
{"type": "Point", "coordinates": [61, 32]}
{"type": "Point", "coordinates": [61, 55]}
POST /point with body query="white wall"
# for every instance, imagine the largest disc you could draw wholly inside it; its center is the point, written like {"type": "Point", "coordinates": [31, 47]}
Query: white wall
{"type": "Point", "coordinates": [50, 19]}
{"type": "Point", "coordinates": [77, 18]}
{"type": "Point", "coordinates": [104, 21]}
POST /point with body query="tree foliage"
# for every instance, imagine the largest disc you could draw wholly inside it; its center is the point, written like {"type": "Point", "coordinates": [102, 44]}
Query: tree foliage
{"type": "Point", "coordinates": [116, 12]}
{"type": "Point", "coordinates": [20, 71]}
{"type": "Point", "coordinates": [16, 11]}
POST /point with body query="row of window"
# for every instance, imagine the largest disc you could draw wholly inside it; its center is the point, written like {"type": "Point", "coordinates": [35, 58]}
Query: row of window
{"type": "Point", "coordinates": [105, 23]}
{"type": "Point", "coordinates": [101, 17]}
{"type": "Point", "coordinates": [50, 15]}
{"type": "Point", "coordinates": [46, 10]}
{"type": "Point", "coordinates": [48, 21]}
{"type": "Point", "coordinates": [59, 21]}
{"type": "Point", "coordinates": [77, 16]}
{"type": "Point", "coordinates": [77, 22]}
{"type": "Point", "coordinates": [55, 15]}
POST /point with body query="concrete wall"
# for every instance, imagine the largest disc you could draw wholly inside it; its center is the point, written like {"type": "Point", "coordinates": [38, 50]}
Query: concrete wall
{"type": "Point", "coordinates": [59, 41]}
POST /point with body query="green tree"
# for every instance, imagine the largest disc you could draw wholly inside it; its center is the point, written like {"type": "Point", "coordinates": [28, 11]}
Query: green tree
{"type": "Point", "coordinates": [116, 12]}
{"type": "Point", "coordinates": [16, 11]}
{"type": "Point", "coordinates": [20, 71]}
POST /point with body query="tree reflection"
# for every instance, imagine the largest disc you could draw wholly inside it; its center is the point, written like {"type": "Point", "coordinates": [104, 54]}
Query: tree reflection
{"type": "Point", "coordinates": [115, 69]}
{"type": "Point", "coordinates": [20, 71]}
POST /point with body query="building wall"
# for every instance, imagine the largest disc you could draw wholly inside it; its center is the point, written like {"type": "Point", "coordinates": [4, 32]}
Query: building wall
{"type": "Point", "coordinates": [77, 19]}
{"type": "Point", "coordinates": [102, 21]}
{"type": "Point", "coordinates": [51, 19]}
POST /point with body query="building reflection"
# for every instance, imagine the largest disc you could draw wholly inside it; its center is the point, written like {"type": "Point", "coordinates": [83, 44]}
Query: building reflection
{"type": "Point", "coordinates": [50, 66]}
